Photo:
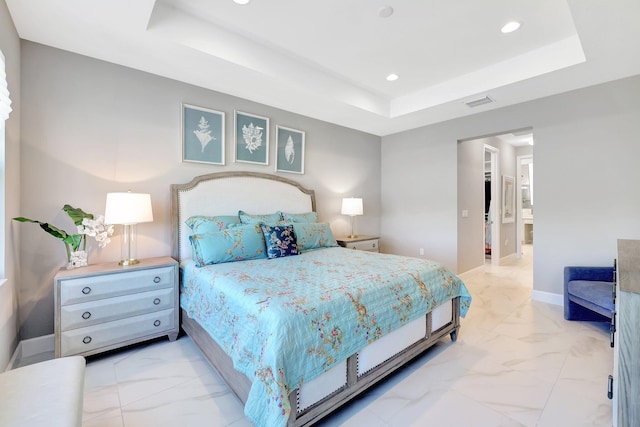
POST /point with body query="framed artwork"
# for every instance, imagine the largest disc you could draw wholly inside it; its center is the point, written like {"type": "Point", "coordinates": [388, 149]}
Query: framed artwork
{"type": "Point", "coordinates": [252, 138]}
{"type": "Point", "coordinates": [202, 135]}
{"type": "Point", "coordinates": [289, 150]}
{"type": "Point", "coordinates": [508, 199]}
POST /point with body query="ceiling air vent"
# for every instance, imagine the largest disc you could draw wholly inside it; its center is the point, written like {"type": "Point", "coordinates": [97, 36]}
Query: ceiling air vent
{"type": "Point", "coordinates": [479, 101]}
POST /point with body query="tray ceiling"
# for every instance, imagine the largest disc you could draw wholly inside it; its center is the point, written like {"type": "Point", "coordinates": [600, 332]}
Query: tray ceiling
{"type": "Point", "coordinates": [329, 59]}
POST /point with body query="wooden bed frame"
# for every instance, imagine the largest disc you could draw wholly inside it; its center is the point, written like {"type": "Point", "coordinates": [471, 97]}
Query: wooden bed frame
{"type": "Point", "coordinates": [254, 192]}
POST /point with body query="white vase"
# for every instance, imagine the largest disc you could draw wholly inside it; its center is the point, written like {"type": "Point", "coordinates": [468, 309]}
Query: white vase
{"type": "Point", "coordinates": [77, 259]}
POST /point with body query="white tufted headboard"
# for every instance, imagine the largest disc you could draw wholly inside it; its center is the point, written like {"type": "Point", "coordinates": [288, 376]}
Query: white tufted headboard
{"type": "Point", "coordinates": [226, 193]}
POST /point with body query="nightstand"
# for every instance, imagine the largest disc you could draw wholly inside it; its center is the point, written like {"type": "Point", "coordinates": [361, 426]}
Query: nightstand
{"type": "Point", "coordinates": [106, 306]}
{"type": "Point", "coordinates": [361, 243]}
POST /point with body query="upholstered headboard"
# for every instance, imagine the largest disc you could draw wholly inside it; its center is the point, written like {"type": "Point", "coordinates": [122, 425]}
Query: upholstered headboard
{"type": "Point", "coordinates": [226, 193]}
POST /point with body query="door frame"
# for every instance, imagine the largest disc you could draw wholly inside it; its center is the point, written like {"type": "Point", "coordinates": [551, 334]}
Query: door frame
{"type": "Point", "coordinates": [519, 220]}
{"type": "Point", "coordinates": [496, 202]}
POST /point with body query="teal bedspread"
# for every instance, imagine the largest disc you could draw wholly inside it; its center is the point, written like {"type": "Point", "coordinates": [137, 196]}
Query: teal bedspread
{"type": "Point", "coordinates": [287, 320]}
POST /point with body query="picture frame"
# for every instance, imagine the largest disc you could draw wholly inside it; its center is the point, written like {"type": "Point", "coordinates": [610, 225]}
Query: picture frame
{"type": "Point", "coordinates": [290, 145]}
{"type": "Point", "coordinates": [251, 138]}
{"type": "Point", "coordinates": [508, 199]}
{"type": "Point", "coordinates": [203, 135]}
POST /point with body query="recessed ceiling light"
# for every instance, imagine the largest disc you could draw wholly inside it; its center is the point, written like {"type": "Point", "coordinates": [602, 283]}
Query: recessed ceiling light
{"type": "Point", "coordinates": [392, 77]}
{"type": "Point", "coordinates": [242, 1]}
{"type": "Point", "coordinates": [385, 11]}
{"type": "Point", "coordinates": [510, 27]}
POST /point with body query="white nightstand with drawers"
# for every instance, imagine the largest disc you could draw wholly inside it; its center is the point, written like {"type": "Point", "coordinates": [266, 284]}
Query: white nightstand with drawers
{"type": "Point", "coordinates": [361, 243]}
{"type": "Point", "coordinates": [106, 306]}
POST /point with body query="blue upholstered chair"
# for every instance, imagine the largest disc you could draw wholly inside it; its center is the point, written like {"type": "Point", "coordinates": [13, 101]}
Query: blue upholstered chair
{"type": "Point", "coordinates": [588, 293]}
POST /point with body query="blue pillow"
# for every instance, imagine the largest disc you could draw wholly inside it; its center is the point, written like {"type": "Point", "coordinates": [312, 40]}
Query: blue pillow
{"type": "Point", "coordinates": [233, 244]}
{"type": "Point", "coordinates": [302, 217]}
{"type": "Point", "coordinates": [313, 235]}
{"type": "Point", "coordinates": [280, 240]}
{"type": "Point", "coordinates": [209, 224]}
{"type": "Point", "coordinates": [270, 219]}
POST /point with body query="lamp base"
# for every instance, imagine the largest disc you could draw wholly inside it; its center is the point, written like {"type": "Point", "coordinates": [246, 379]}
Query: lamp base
{"type": "Point", "coordinates": [353, 235]}
{"type": "Point", "coordinates": [129, 246]}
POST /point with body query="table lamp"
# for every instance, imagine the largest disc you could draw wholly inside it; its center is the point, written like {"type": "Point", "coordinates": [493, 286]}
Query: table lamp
{"type": "Point", "coordinates": [128, 209]}
{"type": "Point", "coordinates": [352, 206]}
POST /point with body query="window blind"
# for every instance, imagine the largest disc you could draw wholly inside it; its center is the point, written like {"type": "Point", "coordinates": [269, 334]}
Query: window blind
{"type": "Point", "coordinates": [5, 101]}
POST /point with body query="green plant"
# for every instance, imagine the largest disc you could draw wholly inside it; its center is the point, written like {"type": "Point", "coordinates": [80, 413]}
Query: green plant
{"type": "Point", "coordinates": [86, 226]}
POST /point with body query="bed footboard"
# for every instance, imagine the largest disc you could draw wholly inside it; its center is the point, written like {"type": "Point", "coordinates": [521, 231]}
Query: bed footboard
{"type": "Point", "coordinates": [437, 325]}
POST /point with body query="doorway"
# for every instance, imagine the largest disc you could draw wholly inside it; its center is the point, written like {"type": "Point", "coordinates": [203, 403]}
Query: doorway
{"type": "Point", "coordinates": [481, 225]}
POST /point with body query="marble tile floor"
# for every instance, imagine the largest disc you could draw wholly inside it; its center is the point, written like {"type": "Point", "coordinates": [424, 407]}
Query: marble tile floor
{"type": "Point", "coordinates": [517, 362]}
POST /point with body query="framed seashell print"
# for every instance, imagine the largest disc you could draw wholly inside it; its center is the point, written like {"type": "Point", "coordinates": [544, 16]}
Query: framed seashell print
{"type": "Point", "coordinates": [251, 138]}
{"type": "Point", "coordinates": [289, 150]}
{"type": "Point", "coordinates": [202, 135]}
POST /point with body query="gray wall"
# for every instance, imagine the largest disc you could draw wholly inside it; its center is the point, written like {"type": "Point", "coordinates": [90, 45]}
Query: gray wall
{"type": "Point", "coordinates": [471, 198]}
{"type": "Point", "coordinates": [10, 46]}
{"type": "Point", "coordinates": [91, 127]}
{"type": "Point", "coordinates": [586, 179]}
{"type": "Point", "coordinates": [525, 151]}
{"type": "Point", "coordinates": [419, 195]}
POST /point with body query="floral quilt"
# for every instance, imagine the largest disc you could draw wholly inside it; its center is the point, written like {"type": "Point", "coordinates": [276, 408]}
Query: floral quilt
{"type": "Point", "coordinates": [287, 320]}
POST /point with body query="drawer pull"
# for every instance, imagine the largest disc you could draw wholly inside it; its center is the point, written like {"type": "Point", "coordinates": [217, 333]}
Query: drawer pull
{"type": "Point", "coordinates": [156, 301]}
{"type": "Point", "coordinates": [156, 323]}
{"type": "Point", "coordinates": [86, 290]}
{"type": "Point", "coordinates": [86, 340]}
{"type": "Point", "coordinates": [612, 329]}
{"type": "Point", "coordinates": [156, 279]}
{"type": "Point", "coordinates": [610, 387]}
{"type": "Point", "coordinates": [86, 315]}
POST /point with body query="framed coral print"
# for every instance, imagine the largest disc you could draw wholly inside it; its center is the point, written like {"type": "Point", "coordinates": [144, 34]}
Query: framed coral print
{"type": "Point", "coordinates": [508, 199]}
{"type": "Point", "coordinates": [202, 135]}
{"type": "Point", "coordinates": [289, 150]}
{"type": "Point", "coordinates": [252, 138]}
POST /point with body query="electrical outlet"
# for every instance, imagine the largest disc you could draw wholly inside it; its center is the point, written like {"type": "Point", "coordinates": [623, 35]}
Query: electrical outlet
{"type": "Point", "coordinates": [506, 242]}
{"type": "Point", "coordinates": [465, 214]}
{"type": "Point", "coordinates": [421, 251]}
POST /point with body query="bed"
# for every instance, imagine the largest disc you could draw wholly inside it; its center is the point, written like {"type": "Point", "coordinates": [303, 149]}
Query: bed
{"type": "Point", "coordinates": [295, 337]}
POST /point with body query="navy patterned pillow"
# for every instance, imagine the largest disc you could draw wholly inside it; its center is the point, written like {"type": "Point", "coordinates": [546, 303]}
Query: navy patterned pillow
{"type": "Point", "coordinates": [280, 240]}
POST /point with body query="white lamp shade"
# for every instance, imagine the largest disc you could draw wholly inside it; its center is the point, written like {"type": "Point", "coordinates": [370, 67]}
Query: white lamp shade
{"type": "Point", "coordinates": [352, 206]}
{"type": "Point", "coordinates": [128, 208]}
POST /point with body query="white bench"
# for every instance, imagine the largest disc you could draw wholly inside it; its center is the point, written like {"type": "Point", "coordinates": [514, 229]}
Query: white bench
{"type": "Point", "coordinates": [43, 394]}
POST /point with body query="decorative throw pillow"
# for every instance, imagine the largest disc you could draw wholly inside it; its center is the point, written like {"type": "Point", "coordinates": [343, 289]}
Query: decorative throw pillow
{"type": "Point", "coordinates": [280, 240]}
{"type": "Point", "coordinates": [314, 235]}
{"type": "Point", "coordinates": [270, 219]}
{"type": "Point", "coordinates": [209, 224]}
{"type": "Point", "coordinates": [302, 217]}
{"type": "Point", "coordinates": [232, 244]}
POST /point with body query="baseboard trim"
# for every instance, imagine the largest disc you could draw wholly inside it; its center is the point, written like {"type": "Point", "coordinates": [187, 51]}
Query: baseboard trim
{"type": "Point", "coordinates": [509, 257]}
{"type": "Point", "coordinates": [14, 362]}
{"type": "Point", "coordinates": [473, 270]}
{"type": "Point", "coordinates": [30, 347]}
{"type": "Point", "coordinates": [37, 345]}
{"type": "Point", "coordinates": [548, 297]}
